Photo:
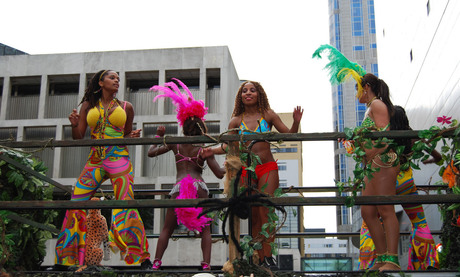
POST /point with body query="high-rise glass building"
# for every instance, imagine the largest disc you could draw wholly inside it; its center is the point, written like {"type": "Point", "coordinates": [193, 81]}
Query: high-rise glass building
{"type": "Point", "coordinates": [352, 32]}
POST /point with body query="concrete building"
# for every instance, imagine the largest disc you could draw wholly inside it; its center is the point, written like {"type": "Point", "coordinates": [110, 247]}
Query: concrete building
{"type": "Point", "coordinates": [40, 91]}
{"type": "Point", "coordinates": [352, 32]}
{"type": "Point", "coordinates": [325, 254]}
{"type": "Point", "coordinates": [289, 158]}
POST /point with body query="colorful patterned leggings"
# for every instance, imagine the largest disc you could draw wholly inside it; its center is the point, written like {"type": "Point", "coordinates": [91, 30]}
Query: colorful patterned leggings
{"type": "Point", "coordinates": [127, 232]}
{"type": "Point", "coordinates": [422, 250]}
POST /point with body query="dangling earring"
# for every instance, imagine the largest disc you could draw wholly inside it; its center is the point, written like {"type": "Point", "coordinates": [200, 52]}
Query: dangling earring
{"type": "Point", "coordinates": [97, 91]}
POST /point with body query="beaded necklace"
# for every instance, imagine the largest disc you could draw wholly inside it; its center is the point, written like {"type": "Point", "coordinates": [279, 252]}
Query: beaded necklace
{"type": "Point", "coordinates": [101, 124]}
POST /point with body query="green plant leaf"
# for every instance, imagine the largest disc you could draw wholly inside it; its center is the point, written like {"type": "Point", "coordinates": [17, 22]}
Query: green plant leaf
{"type": "Point", "coordinates": [348, 133]}
{"type": "Point", "coordinates": [453, 207]}
{"type": "Point", "coordinates": [414, 166]}
{"type": "Point", "coordinates": [265, 234]}
{"type": "Point", "coordinates": [257, 246]}
{"type": "Point", "coordinates": [274, 247]}
{"type": "Point", "coordinates": [349, 201]}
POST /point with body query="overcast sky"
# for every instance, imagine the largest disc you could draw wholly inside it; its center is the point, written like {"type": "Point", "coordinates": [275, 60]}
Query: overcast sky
{"type": "Point", "coordinates": [270, 42]}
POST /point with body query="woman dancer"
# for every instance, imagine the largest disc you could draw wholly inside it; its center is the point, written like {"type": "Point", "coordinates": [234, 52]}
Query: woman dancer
{"type": "Point", "coordinates": [375, 93]}
{"type": "Point", "coordinates": [422, 251]}
{"type": "Point", "coordinates": [189, 165]}
{"type": "Point", "coordinates": [252, 114]}
{"type": "Point", "coordinates": [108, 118]}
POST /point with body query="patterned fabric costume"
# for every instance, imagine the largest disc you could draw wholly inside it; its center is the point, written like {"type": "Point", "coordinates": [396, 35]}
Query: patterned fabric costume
{"type": "Point", "coordinates": [422, 250]}
{"type": "Point", "coordinates": [127, 232]}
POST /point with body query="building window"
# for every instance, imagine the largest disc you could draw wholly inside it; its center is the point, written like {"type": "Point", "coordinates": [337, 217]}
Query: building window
{"type": "Point", "coordinates": [283, 183]}
{"type": "Point", "coordinates": [371, 16]}
{"type": "Point", "coordinates": [284, 150]}
{"type": "Point", "coordinates": [360, 111]}
{"type": "Point", "coordinates": [282, 167]}
{"type": "Point", "coordinates": [213, 128]}
{"type": "Point", "coordinates": [375, 69]}
{"type": "Point", "coordinates": [357, 18]}
{"type": "Point", "coordinates": [340, 109]}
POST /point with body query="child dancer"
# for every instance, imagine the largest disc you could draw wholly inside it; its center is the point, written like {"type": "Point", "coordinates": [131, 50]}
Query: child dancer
{"type": "Point", "coordinates": [189, 165]}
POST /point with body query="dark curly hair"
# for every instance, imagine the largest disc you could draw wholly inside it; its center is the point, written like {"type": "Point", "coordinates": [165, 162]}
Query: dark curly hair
{"type": "Point", "coordinates": [262, 99]}
{"type": "Point", "coordinates": [193, 126]}
{"type": "Point", "coordinates": [93, 91]}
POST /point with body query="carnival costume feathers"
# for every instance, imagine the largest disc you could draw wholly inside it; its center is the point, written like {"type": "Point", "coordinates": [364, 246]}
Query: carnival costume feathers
{"type": "Point", "coordinates": [339, 67]}
{"type": "Point", "coordinates": [186, 105]}
{"type": "Point", "coordinates": [189, 216]}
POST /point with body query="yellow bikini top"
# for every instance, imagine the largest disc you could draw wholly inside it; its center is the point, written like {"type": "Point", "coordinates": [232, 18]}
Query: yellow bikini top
{"type": "Point", "coordinates": [117, 118]}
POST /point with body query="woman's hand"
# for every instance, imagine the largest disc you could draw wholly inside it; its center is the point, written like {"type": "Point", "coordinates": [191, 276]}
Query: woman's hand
{"type": "Point", "coordinates": [297, 114]}
{"type": "Point", "coordinates": [74, 118]}
{"type": "Point", "coordinates": [161, 130]}
{"type": "Point", "coordinates": [135, 133]}
{"type": "Point", "coordinates": [206, 153]}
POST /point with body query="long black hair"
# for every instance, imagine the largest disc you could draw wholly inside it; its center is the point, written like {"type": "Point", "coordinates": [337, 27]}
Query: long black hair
{"type": "Point", "coordinates": [380, 88]}
{"type": "Point", "coordinates": [399, 121]}
{"type": "Point", "coordinates": [93, 91]}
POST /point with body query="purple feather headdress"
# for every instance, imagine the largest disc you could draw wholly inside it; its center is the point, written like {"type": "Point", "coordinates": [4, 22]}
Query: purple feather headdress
{"type": "Point", "coordinates": [186, 105]}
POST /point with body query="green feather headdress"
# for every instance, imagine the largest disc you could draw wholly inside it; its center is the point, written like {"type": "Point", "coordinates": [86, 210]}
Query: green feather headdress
{"type": "Point", "coordinates": [340, 68]}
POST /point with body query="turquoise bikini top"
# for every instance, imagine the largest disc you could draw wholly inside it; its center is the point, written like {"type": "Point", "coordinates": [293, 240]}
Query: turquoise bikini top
{"type": "Point", "coordinates": [261, 127]}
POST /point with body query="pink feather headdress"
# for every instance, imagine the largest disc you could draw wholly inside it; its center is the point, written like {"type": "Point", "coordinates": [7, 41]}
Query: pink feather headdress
{"type": "Point", "coordinates": [186, 105]}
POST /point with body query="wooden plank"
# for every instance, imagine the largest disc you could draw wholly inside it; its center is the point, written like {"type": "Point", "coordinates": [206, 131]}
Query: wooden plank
{"type": "Point", "coordinates": [35, 174]}
{"type": "Point", "coordinates": [50, 143]}
{"type": "Point", "coordinates": [299, 190]}
{"type": "Point", "coordinates": [18, 218]}
{"type": "Point", "coordinates": [283, 201]}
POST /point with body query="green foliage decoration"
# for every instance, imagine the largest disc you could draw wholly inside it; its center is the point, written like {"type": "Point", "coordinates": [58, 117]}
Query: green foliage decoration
{"type": "Point", "coordinates": [269, 229]}
{"type": "Point", "coordinates": [449, 257]}
{"type": "Point", "coordinates": [22, 246]}
{"type": "Point", "coordinates": [447, 139]}
{"type": "Point", "coordinates": [360, 142]}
